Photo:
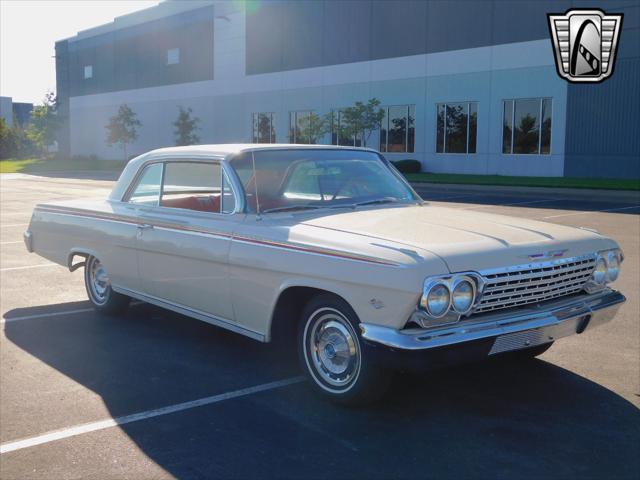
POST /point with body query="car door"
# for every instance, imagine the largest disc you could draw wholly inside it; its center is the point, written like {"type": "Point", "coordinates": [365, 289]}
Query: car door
{"type": "Point", "coordinates": [183, 240]}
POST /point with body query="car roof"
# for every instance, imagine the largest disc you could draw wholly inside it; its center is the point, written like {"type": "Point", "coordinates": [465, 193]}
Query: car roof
{"type": "Point", "coordinates": [222, 152]}
{"type": "Point", "coordinates": [229, 149]}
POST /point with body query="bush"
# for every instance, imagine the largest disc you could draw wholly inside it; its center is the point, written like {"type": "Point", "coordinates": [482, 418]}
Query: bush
{"type": "Point", "coordinates": [408, 166]}
{"type": "Point", "coordinates": [14, 142]}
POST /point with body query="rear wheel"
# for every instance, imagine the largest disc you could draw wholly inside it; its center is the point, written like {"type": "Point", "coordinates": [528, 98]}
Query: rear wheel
{"type": "Point", "coordinates": [333, 356]}
{"type": "Point", "coordinates": [98, 285]}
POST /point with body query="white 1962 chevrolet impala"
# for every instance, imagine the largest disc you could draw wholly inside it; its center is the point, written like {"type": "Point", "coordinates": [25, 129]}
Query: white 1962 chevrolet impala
{"type": "Point", "coordinates": [332, 243]}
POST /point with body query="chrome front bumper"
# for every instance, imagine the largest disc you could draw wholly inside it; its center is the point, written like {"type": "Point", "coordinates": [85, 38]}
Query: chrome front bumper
{"type": "Point", "coordinates": [512, 331]}
{"type": "Point", "coordinates": [28, 240]}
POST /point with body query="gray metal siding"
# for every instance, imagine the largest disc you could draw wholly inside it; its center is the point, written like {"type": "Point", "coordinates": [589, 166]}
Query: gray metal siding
{"type": "Point", "coordinates": [603, 136]}
{"type": "Point", "coordinates": [135, 57]}
{"type": "Point", "coordinates": [286, 35]}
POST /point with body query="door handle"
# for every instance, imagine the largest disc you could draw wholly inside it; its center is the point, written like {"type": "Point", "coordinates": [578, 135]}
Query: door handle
{"type": "Point", "coordinates": [142, 227]}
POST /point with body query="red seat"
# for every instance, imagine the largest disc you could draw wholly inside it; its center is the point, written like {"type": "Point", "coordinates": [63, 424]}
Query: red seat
{"type": "Point", "coordinates": [209, 203]}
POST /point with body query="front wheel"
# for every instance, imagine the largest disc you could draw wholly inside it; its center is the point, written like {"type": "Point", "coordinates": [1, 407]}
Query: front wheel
{"type": "Point", "coordinates": [333, 356]}
{"type": "Point", "coordinates": [98, 285]}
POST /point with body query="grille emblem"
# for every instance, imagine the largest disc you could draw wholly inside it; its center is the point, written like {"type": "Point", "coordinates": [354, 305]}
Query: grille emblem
{"type": "Point", "coordinates": [585, 43]}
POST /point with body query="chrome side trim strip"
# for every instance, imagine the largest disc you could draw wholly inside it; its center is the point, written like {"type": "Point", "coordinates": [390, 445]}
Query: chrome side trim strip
{"type": "Point", "coordinates": [559, 319]}
{"type": "Point", "coordinates": [191, 312]}
{"type": "Point", "coordinates": [215, 233]}
{"type": "Point", "coordinates": [317, 251]}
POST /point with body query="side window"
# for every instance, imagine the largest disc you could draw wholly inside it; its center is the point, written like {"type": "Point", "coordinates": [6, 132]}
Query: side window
{"type": "Point", "coordinates": [192, 186]}
{"type": "Point", "coordinates": [147, 192]}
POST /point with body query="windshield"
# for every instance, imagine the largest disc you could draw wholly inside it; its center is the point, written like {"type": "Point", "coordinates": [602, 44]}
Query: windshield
{"type": "Point", "coordinates": [306, 179]}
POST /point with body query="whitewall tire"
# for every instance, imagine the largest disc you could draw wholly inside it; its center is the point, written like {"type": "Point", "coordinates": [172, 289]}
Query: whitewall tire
{"type": "Point", "coordinates": [333, 356]}
{"type": "Point", "coordinates": [98, 285]}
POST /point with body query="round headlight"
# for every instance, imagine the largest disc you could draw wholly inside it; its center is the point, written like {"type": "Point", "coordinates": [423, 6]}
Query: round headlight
{"type": "Point", "coordinates": [600, 273]}
{"type": "Point", "coordinates": [463, 296]}
{"type": "Point", "coordinates": [613, 266]}
{"type": "Point", "coordinates": [438, 300]}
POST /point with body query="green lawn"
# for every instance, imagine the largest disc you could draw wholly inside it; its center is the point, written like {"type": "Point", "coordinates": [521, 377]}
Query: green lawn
{"type": "Point", "coordinates": [35, 165]}
{"type": "Point", "coordinates": [555, 182]}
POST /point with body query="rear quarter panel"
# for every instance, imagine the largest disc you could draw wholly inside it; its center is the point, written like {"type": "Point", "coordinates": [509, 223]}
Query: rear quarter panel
{"type": "Point", "coordinates": [60, 230]}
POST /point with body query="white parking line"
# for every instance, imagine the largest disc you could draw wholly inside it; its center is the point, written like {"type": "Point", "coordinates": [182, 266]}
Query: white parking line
{"type": "Point", "coordinates": [595, 211]}
{"type": "Point", "coordinates": [112, 422]}
{"type": "Point", "coordinates": [11, 243]}
{"type": "Point", "coordinates": [14, 225]}
{"type": "Point", "coordinates": [44, 315]}
{"type": "Point", "coordinates": [8, 269]}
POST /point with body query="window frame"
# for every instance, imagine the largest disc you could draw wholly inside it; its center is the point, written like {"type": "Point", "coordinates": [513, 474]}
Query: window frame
{"type": "Point", "coordinates": [406, 134]}
{"type": "Point", "coordinates": [444, 133]}
{"type": "Point", "coordinates": [225, 171]}
{"type": "Point", "coordinates": [335, 120]}
{"type": "Point", "coordinates": [84, 71]}
{"type": "Point", "coordinates": [292, 134]}
{"type": "Point", "coordinates": [272, 127]}
{"type": "Point", "coordinates": [177, 57]}
{"type": "Point", "coordinates": [513, 126]}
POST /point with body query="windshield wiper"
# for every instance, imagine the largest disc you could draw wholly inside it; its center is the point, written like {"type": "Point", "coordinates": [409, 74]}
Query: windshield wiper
{"type": "Point", "coordinates": [292, 207]}
{"type": "Point", "coordinates": [376, 201]}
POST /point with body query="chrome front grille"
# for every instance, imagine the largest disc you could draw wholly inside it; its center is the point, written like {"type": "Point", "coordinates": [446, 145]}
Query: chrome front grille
{"type": "Point", "coordinates": [534, 283]}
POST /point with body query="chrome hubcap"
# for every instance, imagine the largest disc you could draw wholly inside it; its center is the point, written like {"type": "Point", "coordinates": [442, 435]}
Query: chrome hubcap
{"type": "Point", "coordinates": [98, 281]}
{"type": "Point", "coordinates": [333, 349]}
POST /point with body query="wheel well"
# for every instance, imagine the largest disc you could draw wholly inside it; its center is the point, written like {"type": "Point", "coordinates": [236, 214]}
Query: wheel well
{"type": "Point", "coordinates": [289, 308]}
{"type": "Point", "coordinates": [73, 267]}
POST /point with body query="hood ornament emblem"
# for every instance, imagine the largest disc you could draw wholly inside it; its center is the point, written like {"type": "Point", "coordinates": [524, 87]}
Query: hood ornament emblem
{"type": "Point", "coordinates": [546, 255]}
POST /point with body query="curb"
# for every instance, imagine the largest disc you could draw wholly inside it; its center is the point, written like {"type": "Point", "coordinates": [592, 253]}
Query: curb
{"type": "Point", "coordinates": [576, 193]}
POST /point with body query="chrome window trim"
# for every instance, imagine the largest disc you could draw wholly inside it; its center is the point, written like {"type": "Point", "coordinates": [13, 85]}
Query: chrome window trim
{"type": "Point", "coordinates": [225, 168]}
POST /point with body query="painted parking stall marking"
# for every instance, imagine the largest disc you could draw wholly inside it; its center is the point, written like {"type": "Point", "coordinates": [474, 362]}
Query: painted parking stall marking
{"type": "Point", "coordinates": [136, 417]}
{"type": "Point", "coordinates": [27, 267]}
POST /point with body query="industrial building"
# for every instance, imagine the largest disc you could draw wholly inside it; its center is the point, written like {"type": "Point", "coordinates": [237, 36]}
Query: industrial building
{"type": "Point", "coordinates": [467, 86]}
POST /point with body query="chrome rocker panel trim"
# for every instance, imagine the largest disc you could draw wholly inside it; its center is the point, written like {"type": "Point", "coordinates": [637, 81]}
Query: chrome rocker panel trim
{"type": "Point", "coordinates": [190, 312]}
{"type": "Point", "coordinates": [528, 328]}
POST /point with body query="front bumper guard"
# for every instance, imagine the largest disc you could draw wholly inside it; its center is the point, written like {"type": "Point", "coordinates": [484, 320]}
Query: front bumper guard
{"type": "Point", "coordinates": [524, 328]}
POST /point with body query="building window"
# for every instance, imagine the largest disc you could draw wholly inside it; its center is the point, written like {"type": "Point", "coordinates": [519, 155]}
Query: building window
{"type": "Point", "coordinates": [397, 129]}
{"type": "Point", "coordinates": [302, 128]}
{"type": "Point", "coordinates": [173, 56]}
{"type": "Point", "coordinates": [526, 126]}
{"type": "Point", "coordinates": [457, 127]}
{"type": "Point", "coordinates": [264, 127]}
{"type": "Point", "coordinates": [88, 71]}
{"type": "Point", "coordinates": [338, 135]}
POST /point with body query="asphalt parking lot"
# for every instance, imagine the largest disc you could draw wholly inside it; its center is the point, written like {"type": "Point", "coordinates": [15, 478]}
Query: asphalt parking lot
{"type": "Point", "coordinates": [156, 395]}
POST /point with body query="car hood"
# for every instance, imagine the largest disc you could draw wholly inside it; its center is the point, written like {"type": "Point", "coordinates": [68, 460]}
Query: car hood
{"type": "Point", "coordinates": [464, 239]}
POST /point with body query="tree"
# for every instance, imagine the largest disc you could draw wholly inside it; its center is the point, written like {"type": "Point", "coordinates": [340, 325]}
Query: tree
{"type": "Point", "coordinates": [44, 123]}
{"type": "Point", "coordinates": [7, 140]}
{"type": "Point", "coordinates": [361, 119]}
{"type": "Point", "coordinates": [122, 128]}
{"type": "Point", "coordinates": [315, 127]}
{"type": "Point", "coordinates": [186, 127]}
{"type": "Point", "coordinates": [14, 141]}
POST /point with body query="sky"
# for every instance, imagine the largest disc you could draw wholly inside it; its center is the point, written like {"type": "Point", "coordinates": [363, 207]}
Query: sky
{"type": "Point", "coordinates": [29, 30]}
